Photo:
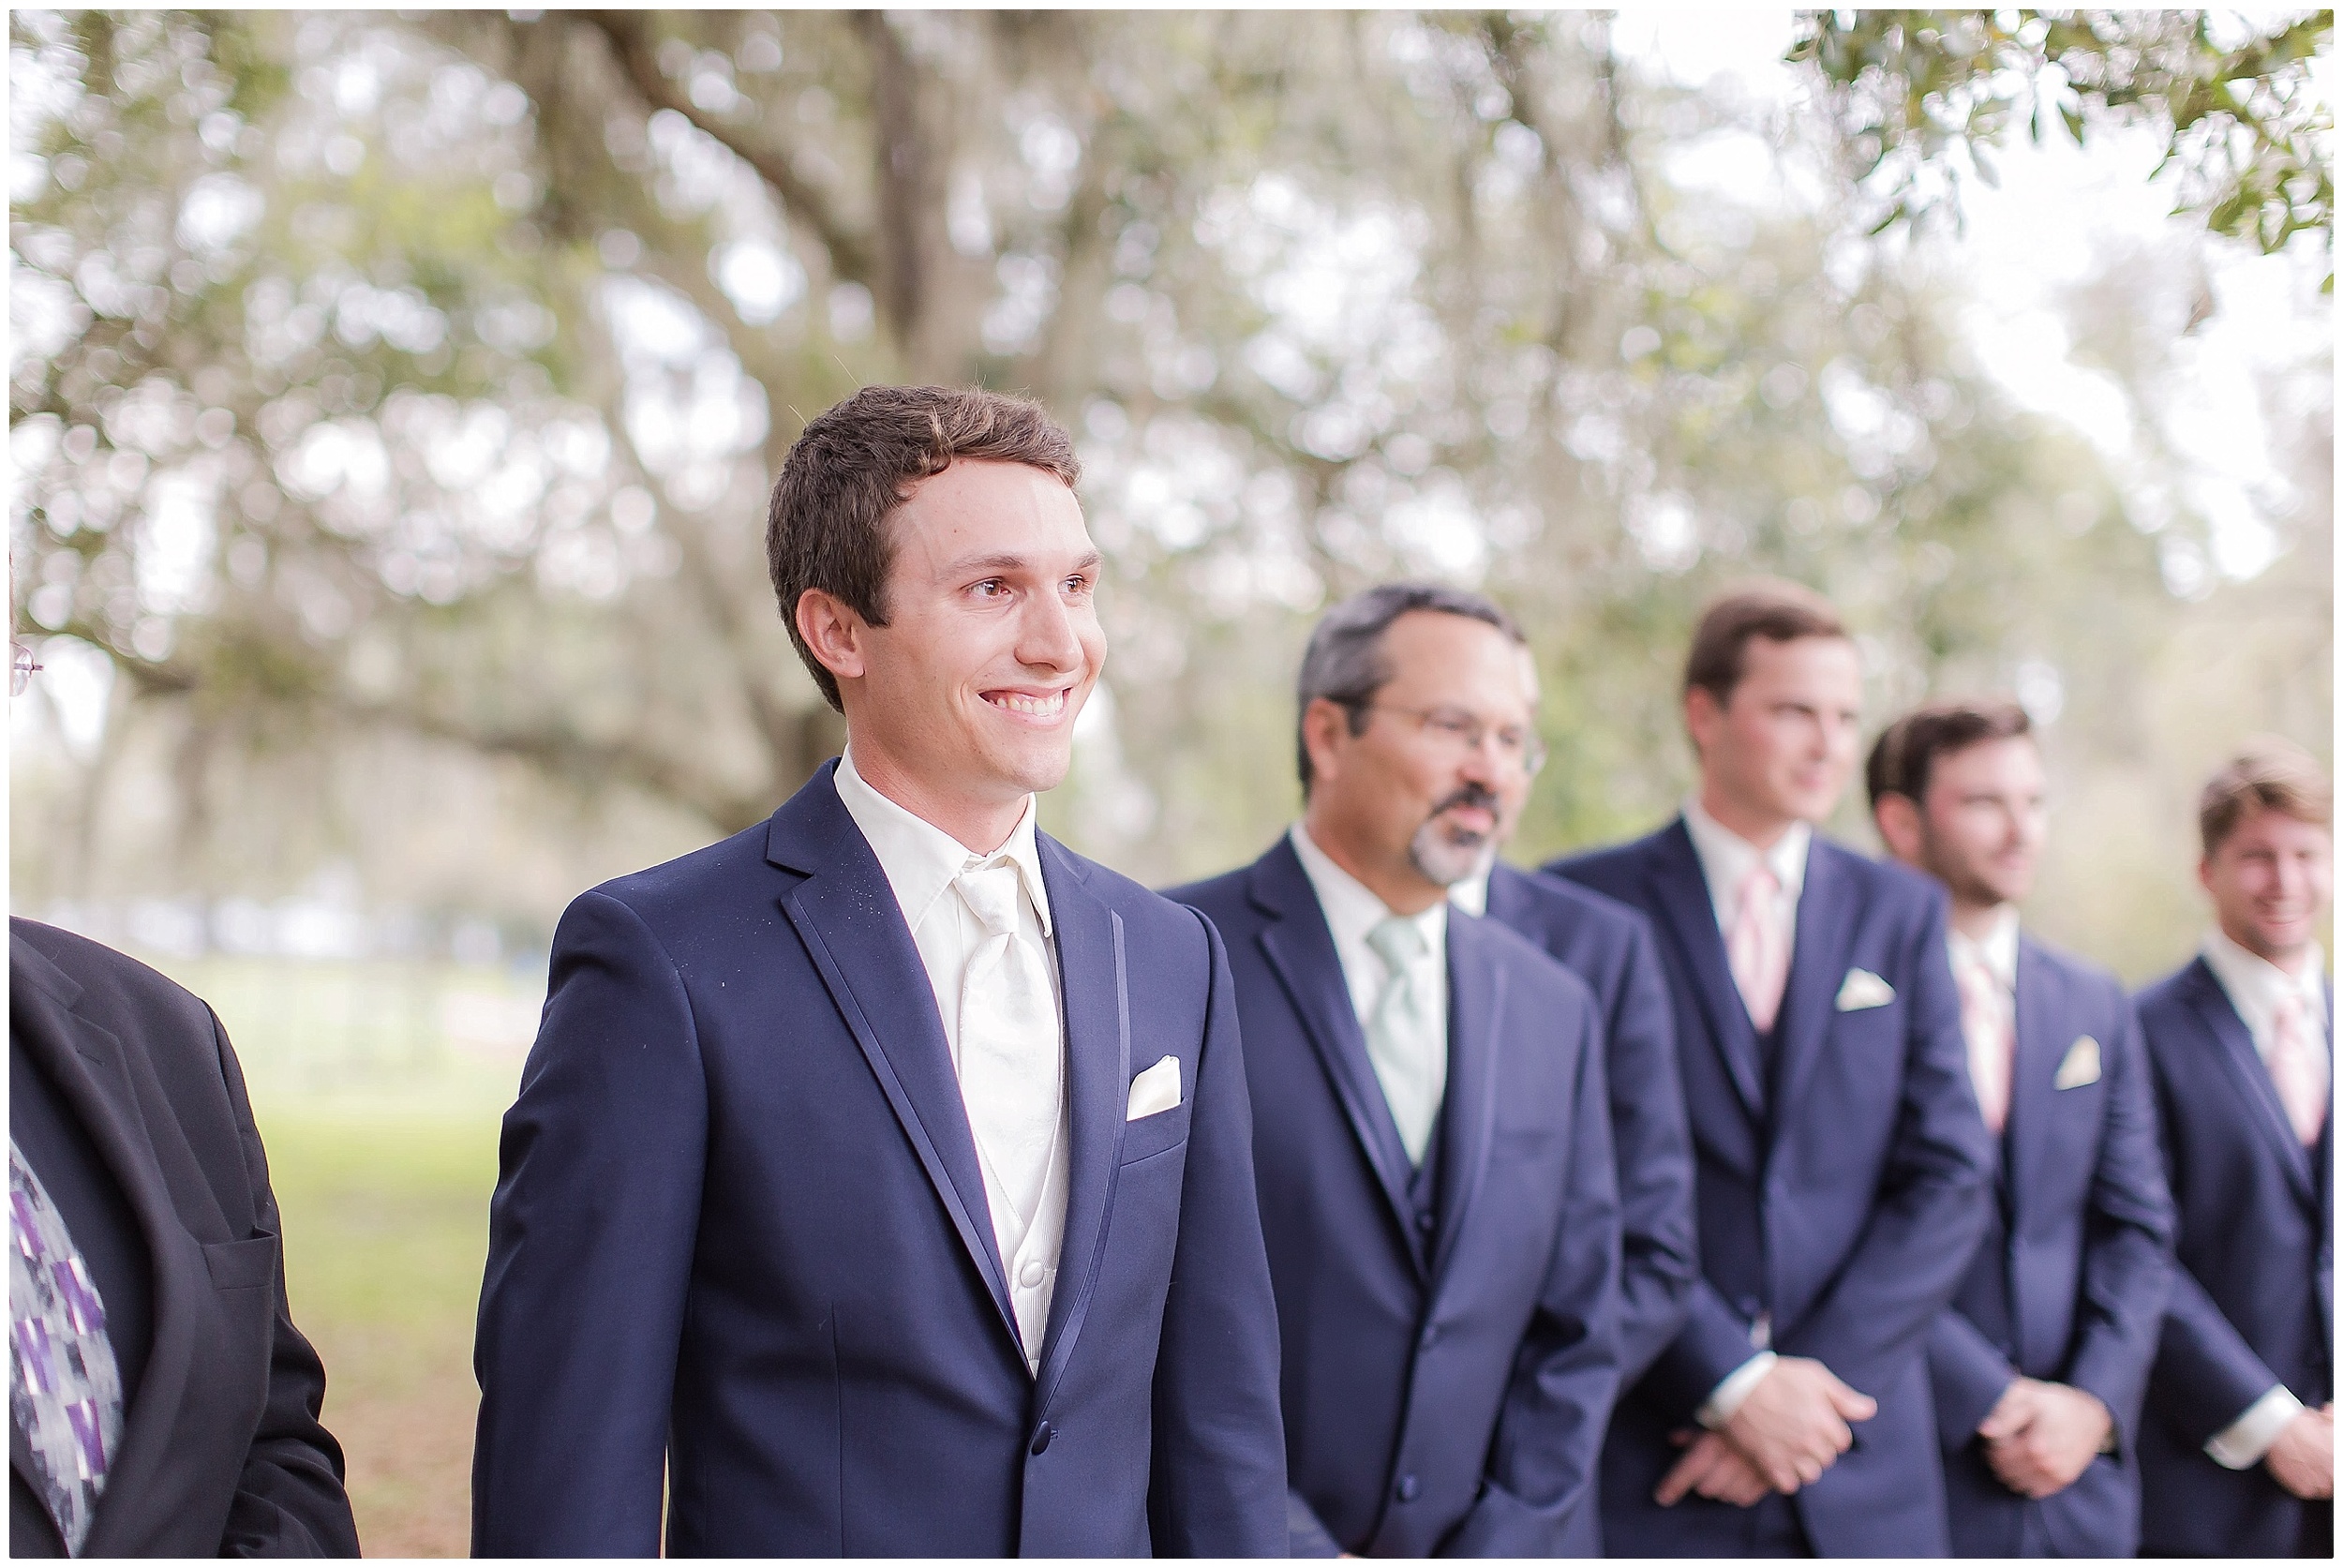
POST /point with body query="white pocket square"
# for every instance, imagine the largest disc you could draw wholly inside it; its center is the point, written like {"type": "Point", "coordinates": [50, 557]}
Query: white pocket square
{"type": "Point", "coordinates": [1154, 1091]}
{"type": "Point", "coordinates": [1862, 989]}
{"type": "Point", "coordinates": [2082, 1064]}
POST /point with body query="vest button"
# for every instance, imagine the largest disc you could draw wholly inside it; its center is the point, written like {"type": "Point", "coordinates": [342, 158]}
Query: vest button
{"type": "Point", "coordinates": [1432, 1335]}
{"type": "Point", "coordinates": [1041, 1438]}
{"type": "Point", "coordinates": [1409, 1488]}
{"type": "Point", "coordinates": [1423, 1220]}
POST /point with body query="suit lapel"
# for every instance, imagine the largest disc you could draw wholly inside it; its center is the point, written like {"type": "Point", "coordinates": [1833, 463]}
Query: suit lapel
{"type": "Point", "coordinates": [2252, 1077]}
{"type": "Point", "coordinates": [1301, 949]}
{"type": "Point", "coordinates": [91, 1071]}
{"type": "Point", "coordinates": [2033, 1075]}
{"type": "Point", "coordinates": [1681, 894]}
{"type": "Point", "coordinates": [1818, 966]}
{"type": "Point", "coordinates": [1476, 1017]}
{"type": "Point", "coordinates": [1090, 953]}
{"type": "Point", "coordinates": [847, 917]}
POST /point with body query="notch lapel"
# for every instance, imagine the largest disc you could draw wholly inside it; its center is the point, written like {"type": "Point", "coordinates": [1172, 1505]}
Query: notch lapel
{"type": "Point", "coordinates": [847, 914]}
{"type": "Point", "coordinates": [2252, 1077]}
{"type": "Point", "coordinates": [1818, 962]}
{"type": "Point", "coordinates": [1681, 894]}
{"type": "Point", "coordinates": [91, 1071]}
{"type": "Point", "coordinates": [1301, 949]}
{"type": "Point", "coordinates": [1476, 1016]}
{"type": "Point", "coordinates": [1092, 979]}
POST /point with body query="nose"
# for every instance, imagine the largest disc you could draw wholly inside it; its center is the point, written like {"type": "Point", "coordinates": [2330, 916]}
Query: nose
{"type": "Point", "coordinates": [1047, 637]}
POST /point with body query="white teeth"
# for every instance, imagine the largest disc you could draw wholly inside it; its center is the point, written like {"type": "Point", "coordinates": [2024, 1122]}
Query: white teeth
{"type": "Point", "coordinates": [1049, 707]}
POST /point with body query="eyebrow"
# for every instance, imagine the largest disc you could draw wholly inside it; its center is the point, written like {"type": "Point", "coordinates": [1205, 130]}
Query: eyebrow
{"type": "Point", "coordinates": [1004, 563]}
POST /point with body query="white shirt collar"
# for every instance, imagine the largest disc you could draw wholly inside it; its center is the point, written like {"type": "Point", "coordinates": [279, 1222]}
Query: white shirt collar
{"type": "Point", "coordinates": [1471, 894]}
{"type": "Point", "coordinates": [1997, 948]}
{"type": "Point", "coordinates": [1353, 910]}
{"type": "Point", "coordinates": [2254, 984]}
{"type": "Point", "coordinates": [1725, 857]}
{"type": "Point", "coordinates": [920, 860]}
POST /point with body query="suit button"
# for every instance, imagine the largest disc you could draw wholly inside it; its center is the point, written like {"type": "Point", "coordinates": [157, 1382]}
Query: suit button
{"type": "Point", "coordinates": [1432, 1335]}
{"type": "Point", "coordinates": [1041, 1438]}
{"type": "Point", "coordinates": [1425, 1221]}
{"type": "Point", "coordinates": [1409, 1488]}
{"type": "Point", "coordinates": [1748, 1305]}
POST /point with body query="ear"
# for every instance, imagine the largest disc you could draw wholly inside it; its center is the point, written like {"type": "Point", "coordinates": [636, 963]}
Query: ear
{"type": "Point", "coordinates": [833, 631]}
{"type": "Point", "coordinates": [1325, 725]}
{"type": "Point", "coordinates": [2204, 872]}
{"type": "Point", "coordinates": [1898, 820]}
{"type": "Point", "coordinates": [1702, 716]}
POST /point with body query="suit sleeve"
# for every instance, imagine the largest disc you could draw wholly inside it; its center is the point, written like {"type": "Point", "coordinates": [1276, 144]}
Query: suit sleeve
{"type": "Point", "coordinates": [1218, 1487]}
{"type": "Point", "coordinates": [1657, 1236]}
{"type": "Point", "coordinates": [289, 1500]}
{"type": "Point", "coordinates": [2128, 1260]}
{"type": "Point", "coordinates": [1549, 1431]}
{"type": "Point", "coordinates": [1966, 1375]}
{"type": "Point", "coordinates": [590, 1244]}
{"type": "Point", "coordinates": [1929, 1209]}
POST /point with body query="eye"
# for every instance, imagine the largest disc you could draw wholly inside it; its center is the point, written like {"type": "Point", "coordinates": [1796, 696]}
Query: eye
{"type": "Point", "coordinates": [1078, 585]}
{"type": "Point", "coordinates": [990, 587]}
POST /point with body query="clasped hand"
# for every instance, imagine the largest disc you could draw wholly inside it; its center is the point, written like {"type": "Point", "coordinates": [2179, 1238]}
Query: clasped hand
{"type": "Point", "coordinates": [1791, 1427]}
{"type": "Point", "coordinates": [2041, 1436]}
{"type": "Point", "coordinates": [2303, 1459]}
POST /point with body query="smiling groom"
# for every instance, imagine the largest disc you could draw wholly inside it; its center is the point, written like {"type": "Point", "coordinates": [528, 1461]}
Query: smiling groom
{"type": "Point", "coordinates": [882, 1175]}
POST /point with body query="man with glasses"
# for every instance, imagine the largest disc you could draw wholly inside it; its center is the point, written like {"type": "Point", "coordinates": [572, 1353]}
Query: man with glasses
{"type": "Point", "coordinates": [1431, 1133]}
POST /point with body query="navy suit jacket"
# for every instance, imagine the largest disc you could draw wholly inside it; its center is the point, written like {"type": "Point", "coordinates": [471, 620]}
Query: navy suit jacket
{"type": "Point", "coordinates": [1609, 946]}
{"type": "Point", "coordinates": [1443, 1394]}
{"type": "Point", "coordinates": [1842, 1189]}
{"type": "Point", "coordinates": [2068, 1285]}
{"type": "Point", "coordinates": [741, 1230]}
{"type": "Point", "coordinates": [2253, 1300]}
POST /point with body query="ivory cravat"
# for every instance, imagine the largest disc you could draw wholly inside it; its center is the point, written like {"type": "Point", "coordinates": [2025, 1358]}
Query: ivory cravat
{"type": "Point", "coordinates": [1984, 1024]}
{"type": "Point", "coordinates": [1406, 1045]}
{"type": "Point", "coordinates": [1758, 948]}
{"type": "Point", "coordinates": [2294, 1068]}
{"type": "Point", "coordinates": [1009, 1046]}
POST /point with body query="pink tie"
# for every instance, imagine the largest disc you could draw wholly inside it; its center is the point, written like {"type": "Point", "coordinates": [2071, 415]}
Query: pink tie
{"type": "Point", "coordinates": [1988, 1033]}
{"type": "Point", "coordinates": [2294, 1069]}
{"type": "Point", "coordinates": [1759, 956]}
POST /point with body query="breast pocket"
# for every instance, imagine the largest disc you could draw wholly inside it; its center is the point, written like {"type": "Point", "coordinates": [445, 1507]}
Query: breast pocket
{"type": "Point", "coordinates": [1151, 1135]}
{"type": "Point", "coordinates": [249, 1264]}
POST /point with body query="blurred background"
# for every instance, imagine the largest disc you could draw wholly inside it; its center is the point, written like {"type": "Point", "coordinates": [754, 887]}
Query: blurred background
{"type": "Point", "coordinates": [394, 399]}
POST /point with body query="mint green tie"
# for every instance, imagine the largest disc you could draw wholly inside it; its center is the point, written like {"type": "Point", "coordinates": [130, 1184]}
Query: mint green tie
{"type": "Point", "coordinates": [1407, 1044]}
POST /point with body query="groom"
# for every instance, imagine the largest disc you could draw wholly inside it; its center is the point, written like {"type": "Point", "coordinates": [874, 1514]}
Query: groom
{"type": "Point", "coordinates": [881, 1179]}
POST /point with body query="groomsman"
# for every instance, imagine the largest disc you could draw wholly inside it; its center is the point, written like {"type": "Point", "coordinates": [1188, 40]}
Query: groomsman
{"type": "Point", "coordinates": [1430, 1128]}
{"type": "Point", "coordinates": [2040, 1364]}
{"type": "Point", "coordinates": [881, 1182]}
{"type": "Point", "coordinates": [2237, 1455]}
{"type": "Point", "coordinates": [1843, 1166]}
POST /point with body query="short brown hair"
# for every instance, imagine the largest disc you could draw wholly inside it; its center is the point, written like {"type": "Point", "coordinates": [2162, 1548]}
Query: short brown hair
{"type": "Point", "coordinates": [2267, 774]}
{"type": "Point", "coordinates": [1906, 751]}
{"type": "Point", "coordinates": [855, 463]}
{"type": "Point", "coordinates": [1767, 607]}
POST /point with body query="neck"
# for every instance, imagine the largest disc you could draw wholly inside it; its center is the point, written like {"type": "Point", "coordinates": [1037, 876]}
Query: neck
{"type": "Point", "coordinates": [1976, 921]}
{"type": "Point", "coordinates": [1403, 890]}
{"type": "Point", "coordinates": [980, 824]}
{"type": "Point", "coordinates": [1761, 827]}
{"type": "Point", "coordinates": [2288, 959]}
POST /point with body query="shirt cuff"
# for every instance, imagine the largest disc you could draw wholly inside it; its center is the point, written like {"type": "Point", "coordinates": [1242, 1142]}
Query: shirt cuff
{"type": "Point", "coordinates": [2244, 1441]}
{"type": "Point", "coordinates": [1727, 1397]}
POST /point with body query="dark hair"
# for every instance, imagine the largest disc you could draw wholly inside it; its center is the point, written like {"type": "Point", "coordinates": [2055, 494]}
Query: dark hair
{"type": "Point", "coordinates": [1344, 661]}
{"type": "Point", "coordinates": [1767, 607]}
{"type": "Point", "coordinates": [855, 463]}
{"type": "Point", "coordinates": [2268, 773]}
{"type": "Point", "coordinates": [1906, 751]}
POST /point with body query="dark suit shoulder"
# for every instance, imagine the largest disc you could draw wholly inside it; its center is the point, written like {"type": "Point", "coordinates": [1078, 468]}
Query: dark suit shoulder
{"type": "Point", "coordinates": [1149, 918]}
{"type": "Point", "coordinates": [1566, 909]}
{"type": "Point", "coordinates": [1885, 883]}
{"type": "Point", "coordinates": [719, 873]}
{"type": "Point", "coordinates": [1215, 897]}
{"type": "Point", "coordinates": [2165, 1002]}
{"type": "Point", "coordinates": [2082, 974]}
{"type": "Point", "coordinates": [1523, 958]}
{"type": "Point", "coordinates": [113, 987]}
{"type": "Point", "coordinates": [1609, 870]}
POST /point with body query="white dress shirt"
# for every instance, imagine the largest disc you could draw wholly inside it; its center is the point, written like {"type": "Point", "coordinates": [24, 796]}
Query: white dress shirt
{"type": "Point", "coordinates": [1351, 911]}
{"type": "Point", "coordinates": [921, 860]}
{"type": "Point", "coordinates": [1725, 857]}
{"type": "Point", "coordinates": [2254, 986]}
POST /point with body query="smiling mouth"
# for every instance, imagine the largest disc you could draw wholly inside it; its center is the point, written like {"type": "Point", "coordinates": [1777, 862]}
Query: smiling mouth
{"type": "Point", "coordinates": [1047, 704]}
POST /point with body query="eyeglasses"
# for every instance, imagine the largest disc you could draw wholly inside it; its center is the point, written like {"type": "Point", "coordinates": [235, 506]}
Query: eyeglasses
{"type": "Point", "coordinates": [21, 668]}
{"type": "Point", "coordinates": [1454, 730]}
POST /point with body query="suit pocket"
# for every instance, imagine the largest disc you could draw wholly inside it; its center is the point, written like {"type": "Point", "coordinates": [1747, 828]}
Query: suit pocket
{"type": "Point", "coordinates": [1152, 1135]}
{"type": "Point", "coordinates": [248, 1264]}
